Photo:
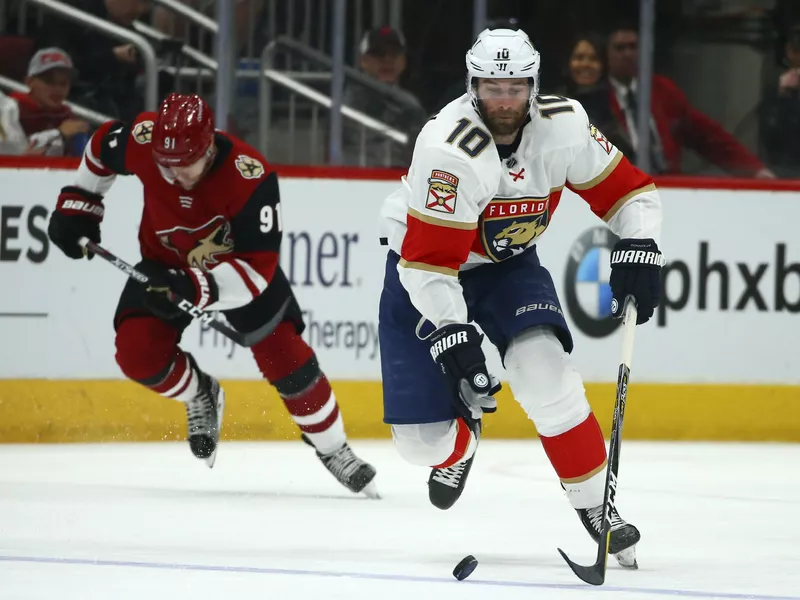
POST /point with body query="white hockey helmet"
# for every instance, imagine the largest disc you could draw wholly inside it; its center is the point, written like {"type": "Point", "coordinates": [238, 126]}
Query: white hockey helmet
{"type": "Point", "coordinates": [502, 54]}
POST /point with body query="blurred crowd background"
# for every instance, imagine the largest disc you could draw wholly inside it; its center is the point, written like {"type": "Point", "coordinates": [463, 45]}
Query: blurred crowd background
{"type": "Point", "coordinates": [314, 82]}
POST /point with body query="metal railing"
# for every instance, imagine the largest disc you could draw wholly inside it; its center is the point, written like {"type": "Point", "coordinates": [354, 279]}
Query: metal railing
{"type": "Point", "coordinates": [112, 30]}
{"type": "Point", "coordinates": [189, 13]}
{"type": "Point", "coordinates": [269, 75]}
{"type": "Point", "coordinates": [206, 71]}
{"type": "Point", "coordinates": [94, 117]}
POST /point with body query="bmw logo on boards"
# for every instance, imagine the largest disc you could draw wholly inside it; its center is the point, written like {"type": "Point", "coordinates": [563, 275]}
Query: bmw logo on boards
{"type": "Point", "coordinates": [586, 282]}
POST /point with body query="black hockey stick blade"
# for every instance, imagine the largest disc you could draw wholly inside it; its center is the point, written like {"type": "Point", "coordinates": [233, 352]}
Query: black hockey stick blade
{"type": "Point", "coordinates": [243, 339]}
{"type": "Point", "coordinates": [596, 574]}
{"type": "Point", "coordinates": [593, 575]}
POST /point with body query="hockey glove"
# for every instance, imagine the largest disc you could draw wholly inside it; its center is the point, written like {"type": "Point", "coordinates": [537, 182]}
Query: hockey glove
{"type": "Point", "coordinates": [78, 214]}
{"type": "Point", "coordinates": [635, 271]}
{"type": "Point", "coordinates": [457, 350]}
{"type": "Point", "coordinates": [167, 286]}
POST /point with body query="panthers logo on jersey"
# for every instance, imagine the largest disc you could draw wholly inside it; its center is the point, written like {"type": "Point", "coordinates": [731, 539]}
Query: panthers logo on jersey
{"type": "Point", "coordinates": [249, 167]}
{"type": "Point", "coordinates": [143, 132]}
{"type": "Point", "coordinates": [442, 192]}
{"type": "Point", "coordinates": [509, 225]}
{"type": "Point", "coordinates": [600, 139]}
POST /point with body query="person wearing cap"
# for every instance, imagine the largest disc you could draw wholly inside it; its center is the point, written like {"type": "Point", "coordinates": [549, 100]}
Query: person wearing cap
{"type": "Point", "coordinates": [108, 69]}
{"type": "Point", "coordinates": [382, 56]}
{"type": "Point", "coordinates": [45, 118]}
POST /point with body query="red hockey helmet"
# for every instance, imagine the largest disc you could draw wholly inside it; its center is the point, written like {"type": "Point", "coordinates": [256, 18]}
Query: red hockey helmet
{"type": "Point", "coordinates": [184, 130]}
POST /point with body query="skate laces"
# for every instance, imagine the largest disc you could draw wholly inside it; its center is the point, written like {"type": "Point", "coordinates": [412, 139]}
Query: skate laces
{"type": "Point", "coordinates": [343, 463]}
{"type": "Point", "coordinates": [595, 516]}
{"type": "Point", "coordinates": [450, 476]}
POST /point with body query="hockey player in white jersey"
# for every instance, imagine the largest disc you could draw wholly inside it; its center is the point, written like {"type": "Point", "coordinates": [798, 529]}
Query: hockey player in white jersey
{"type": "Point", "coordinates": [486, 178]}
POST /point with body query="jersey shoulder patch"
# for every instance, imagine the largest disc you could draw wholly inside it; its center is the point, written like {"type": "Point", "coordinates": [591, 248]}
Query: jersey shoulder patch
{"type": "Point", "coordinates": [142, 127]}
{"type": "Point", "coordinates": [442, 192]}
{"type": "Point", "coordinates": [598, 137]}
{"type": "Point", "coordinates": [142, 132]}
{"type": "Point", "coordinates": [249, 167]}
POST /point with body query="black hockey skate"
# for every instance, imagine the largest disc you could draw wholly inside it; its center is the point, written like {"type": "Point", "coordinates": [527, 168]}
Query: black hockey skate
{"type": "Point", "coordinates": [353, 473]}
{"type": "Point", "coordinates": [624, 536]}
{"type": "Point", "coordinates": [204, 415]}
{"type": "Point", "coordinates": [446, 485]}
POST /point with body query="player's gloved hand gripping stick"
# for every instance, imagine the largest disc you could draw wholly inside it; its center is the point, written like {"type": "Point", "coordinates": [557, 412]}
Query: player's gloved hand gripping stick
{"type": "Point", "coordinates": [243, 339]}
{"type": "Point", "coordinates": [596, 573]}
{"type": "Point", "coordinates": [457, 350]}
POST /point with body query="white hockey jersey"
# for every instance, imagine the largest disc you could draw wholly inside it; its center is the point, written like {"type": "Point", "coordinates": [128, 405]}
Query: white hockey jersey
{"type": "Point", "coordinates": [461, 205]}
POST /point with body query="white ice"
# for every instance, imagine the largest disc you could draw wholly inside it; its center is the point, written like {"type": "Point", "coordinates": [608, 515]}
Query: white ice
{"type": "Point", "coordinates": [148, 521]}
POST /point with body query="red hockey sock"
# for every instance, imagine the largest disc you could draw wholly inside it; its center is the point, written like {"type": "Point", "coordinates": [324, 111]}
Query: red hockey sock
{"type": "Point", "coordinates": [290, 365]}
{"type": "Point", "coordinates": [148, 353]}
{"type": "Point", "coordinates": [461, 448]}
{"type": "Point", "coordinates": [577, 454]}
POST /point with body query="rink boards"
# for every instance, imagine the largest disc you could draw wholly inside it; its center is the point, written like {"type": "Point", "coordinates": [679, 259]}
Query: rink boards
{"type": "Point", "coordinates": [718, 361]}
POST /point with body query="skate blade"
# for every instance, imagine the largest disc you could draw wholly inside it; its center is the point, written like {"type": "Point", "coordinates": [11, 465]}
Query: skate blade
{"type": "Point", "coordinates": [627, 558]}
{"type": "Point", "coordinates": [220, 411]}
{"type": "Point", "coordinates": [371, 491]}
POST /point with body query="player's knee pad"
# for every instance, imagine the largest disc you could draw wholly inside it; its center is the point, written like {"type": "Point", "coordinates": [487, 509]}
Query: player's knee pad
{"type": "Point", "coordinates": [284, 353]}
{"type": "Point", "coordinates": [545, 382]}
{"type": "Point", "coordinates": [146, 348]}
{"type": "Point", "coordinates": [425, 444]}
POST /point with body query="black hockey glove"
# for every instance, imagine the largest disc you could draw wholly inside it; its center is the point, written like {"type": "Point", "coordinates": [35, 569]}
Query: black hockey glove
{"type": "Point", "coordinates": [78, 214]}
{"type": "Point", "coordinates": [457, 350]}
{"type": "Point", "coordinates": [194, 285]}
{"type": "Point", "coordinates": [635, 271]}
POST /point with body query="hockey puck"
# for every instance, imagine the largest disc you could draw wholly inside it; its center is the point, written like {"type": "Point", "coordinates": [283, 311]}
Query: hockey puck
{"type": "Point", "coordinates": [465, 568]}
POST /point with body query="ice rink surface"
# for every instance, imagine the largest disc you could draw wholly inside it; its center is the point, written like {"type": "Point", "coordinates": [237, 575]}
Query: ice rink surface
{"type": "Point", "coordinates": [148, 521]}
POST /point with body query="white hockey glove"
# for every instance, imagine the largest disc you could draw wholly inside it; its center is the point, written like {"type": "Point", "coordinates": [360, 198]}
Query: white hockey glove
{"type": "Point", "coordinates": [457, 350]}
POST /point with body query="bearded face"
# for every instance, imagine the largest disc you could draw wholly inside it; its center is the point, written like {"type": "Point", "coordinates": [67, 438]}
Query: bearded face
{"type": "Point", "coordinates": [503, 104]}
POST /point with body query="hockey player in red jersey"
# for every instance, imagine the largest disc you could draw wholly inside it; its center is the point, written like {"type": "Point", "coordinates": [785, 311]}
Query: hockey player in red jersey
{"type": "Point", "coordinates": [210, 232]}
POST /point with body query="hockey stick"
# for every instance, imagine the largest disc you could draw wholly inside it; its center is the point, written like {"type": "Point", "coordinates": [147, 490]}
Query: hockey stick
{"type": "Point", "coordinates": [596, 574]}
{"type": "Point", "coordinates": [243, 339]}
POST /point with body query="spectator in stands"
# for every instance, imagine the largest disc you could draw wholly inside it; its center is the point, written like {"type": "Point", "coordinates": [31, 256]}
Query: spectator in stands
{"type": "Point", "coordinates": [247, 14]}
{"type": "Point", "coordinates": [108, 70]}
{"type": "Point", "coordinates": [47, 122]}
{"type": "Point", "coordinates": [382, 56]}
{"type": "Point", "coordinates": [586, 81]}
{"type": "Point", "coordinates": [13, 140]}
{"type": "Point", "coordinates": [780, 114]}
{"type": "Point", "coordinates": [674, 123]}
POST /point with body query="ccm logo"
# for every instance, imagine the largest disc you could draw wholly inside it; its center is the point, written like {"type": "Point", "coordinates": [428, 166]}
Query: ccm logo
{"type": "Point", "coordinates": [83, 206]}
{"type": "Point", "coordinates": [448, 342]}
{"type": "Point", "coordinates": [198, 314]}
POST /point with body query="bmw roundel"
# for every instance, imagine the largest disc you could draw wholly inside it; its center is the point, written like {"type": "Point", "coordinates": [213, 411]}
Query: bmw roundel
{"type": "Point", "coordinates": [586, 282]}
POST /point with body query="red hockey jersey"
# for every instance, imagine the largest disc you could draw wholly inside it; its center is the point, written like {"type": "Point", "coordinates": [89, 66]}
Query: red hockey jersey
{"type": "Point", "coordinates": [229, 224]}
